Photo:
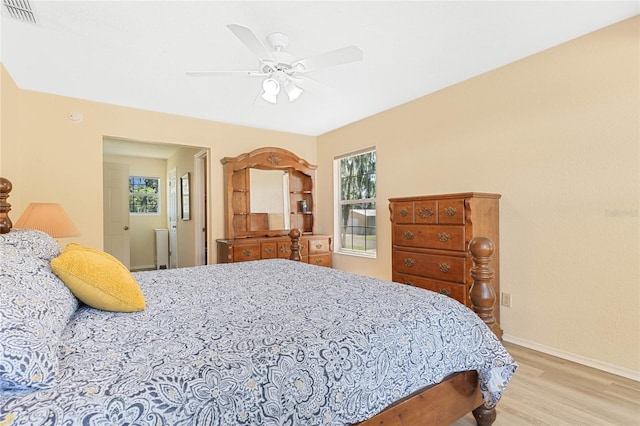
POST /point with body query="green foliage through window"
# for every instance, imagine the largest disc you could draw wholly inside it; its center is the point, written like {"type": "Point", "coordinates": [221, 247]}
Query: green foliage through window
{"type": "Point", "coordinates": [358, 203]}
{"type": "Point", "coordinates": [144, 195]}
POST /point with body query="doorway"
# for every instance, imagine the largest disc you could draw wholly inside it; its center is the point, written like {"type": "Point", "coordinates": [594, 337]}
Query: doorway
{"type": "Point", "coordinates": [179, 160]}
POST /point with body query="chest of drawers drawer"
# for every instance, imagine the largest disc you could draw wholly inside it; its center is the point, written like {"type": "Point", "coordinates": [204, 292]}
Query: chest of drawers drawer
{"type": "Point", "coordinates": [451, 212]}
{"type": "Point", "coordinates": [440, 237]}
{"type": "Point", "coordinates": [447, 268]}
{"type": "Point", "coordinates": [456, 291]}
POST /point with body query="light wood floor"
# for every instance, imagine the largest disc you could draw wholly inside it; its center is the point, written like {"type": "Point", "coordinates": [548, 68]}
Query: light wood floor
{"type": "Point", "coordinates": [546, 390]}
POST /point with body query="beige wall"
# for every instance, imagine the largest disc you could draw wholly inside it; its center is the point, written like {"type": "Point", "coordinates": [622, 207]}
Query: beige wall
{"type": "Point", "coordinates": [557, 134]}
{"type": "Point", "coordinates": [51, 159]}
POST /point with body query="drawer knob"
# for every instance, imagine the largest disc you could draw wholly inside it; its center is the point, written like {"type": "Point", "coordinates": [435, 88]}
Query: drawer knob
{"type": "Point", "coordinates": [444, 237]}
{"type": "Point", "coordinates": [284, 249]}
{"type": "Point", "coordinates": [408, 262]}
{"type": "Point", "coordinates": [444, 267]}
{"type": "Point", "coordinates": [408, 235]}
{"type": "Point", "coordinates": [246, 252]}
{"type": "Point", "coordinates": [444, 291]}
{"type": "Point", "coordinates": [450, 211]}
{"type": "Point", "coordinates": [319, 261]}
{"type": "Point", "coordinates": [318, 246]}
{"type": "Point", "coordinates": [425, 212]}
{"type": "Point", "coordinates": [268, 250]}
{"type": "Point", "coordinates": [404, 212]}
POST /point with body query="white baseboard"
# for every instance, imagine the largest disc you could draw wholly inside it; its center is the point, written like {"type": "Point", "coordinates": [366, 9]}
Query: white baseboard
{"type": "Point", "coordinates": [142, 268]}
{"type": "Point", "coordinates": [599, 365]}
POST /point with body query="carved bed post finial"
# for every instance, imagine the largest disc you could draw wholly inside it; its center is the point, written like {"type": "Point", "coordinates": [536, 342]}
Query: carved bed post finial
{"type": "Point", "coordinates": [482, 295]}
{"type": "Point", "coordinates": [5, 207]}
{"type": "Point", "coordinates": [294, 234]}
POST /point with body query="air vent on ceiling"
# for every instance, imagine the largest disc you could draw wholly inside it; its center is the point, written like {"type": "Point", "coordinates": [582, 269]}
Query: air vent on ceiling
{"type": "Point", "coordinates": [20, 10]}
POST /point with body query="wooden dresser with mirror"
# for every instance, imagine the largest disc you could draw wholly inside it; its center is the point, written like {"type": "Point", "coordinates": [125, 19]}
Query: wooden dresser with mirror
{"type": "Point", "coordinates": [269, 191]}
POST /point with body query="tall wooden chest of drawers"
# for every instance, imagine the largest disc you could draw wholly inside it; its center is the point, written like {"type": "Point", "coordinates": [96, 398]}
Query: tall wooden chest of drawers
{"type": "Point", "coordinates": [431, 235]}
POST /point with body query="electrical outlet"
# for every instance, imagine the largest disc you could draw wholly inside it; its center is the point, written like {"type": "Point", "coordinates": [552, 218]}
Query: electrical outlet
{"type": "Point", "coordinates": [506, 300]}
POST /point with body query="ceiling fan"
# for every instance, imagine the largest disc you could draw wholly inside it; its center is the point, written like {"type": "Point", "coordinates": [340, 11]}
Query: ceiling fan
{"type": "Point", "coordinates": [280, 69]}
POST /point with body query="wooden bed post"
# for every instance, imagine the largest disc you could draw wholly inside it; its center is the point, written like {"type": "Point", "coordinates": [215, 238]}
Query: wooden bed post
{"type": "Point", "coordinates": [482, 295]}
{"type": "Point", "coordinates": [294, 234]}
{"type": "Point", "coordinates": [5, 207]}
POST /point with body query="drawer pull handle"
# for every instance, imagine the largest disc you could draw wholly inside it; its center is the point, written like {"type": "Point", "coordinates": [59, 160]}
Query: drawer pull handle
{"type": "Point", "coordinates": [404, 212]}
{"type": "Point", "coordinates": [246, 252]}
{"type": "Point", "coordinates": [444, 267]}
{"type": "Point", "coordinates": [444, 291]}
{"type": "Point", "coordinates": [408, 262]}
{"type": "Point", "coordinates": [408, 235]}
{"type": "Point", "coordinates": [450, 211]}
{"type": "Point", "coordinates": [444, 237]}
{"type": "Point", "coordinates": [319, 261]}
{"type": "Point", "coordinates": [425, 212]}
{"type": "Point", "coordinates": [318, 246]}
{"type": "Point", "coordinates": [285, 249]}
{"type": "Point", "coordinates": [268, 250]}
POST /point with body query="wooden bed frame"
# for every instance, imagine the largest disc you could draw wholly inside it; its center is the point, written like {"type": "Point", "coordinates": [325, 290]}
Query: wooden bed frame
{"type": "Point", "coordinates": [439, 404]}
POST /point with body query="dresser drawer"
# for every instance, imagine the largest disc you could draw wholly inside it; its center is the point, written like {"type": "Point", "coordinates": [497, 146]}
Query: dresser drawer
{"type": "Point", "coordinates": [451, 212]}
{"type": "Point", "coordinates": [318, 246]}
{"type": "Point", "coordinates": [454, 290]}
{"type": "Point", "coordinates": [446, 237]}
{"type": "Point", "coordinates": [320, 259]}
{"type": "Point", "coordinates": [284, 249]}
{"type": "Point", "coordinates": [269, 250]}
{"type": "Point", "coordinates": [243, 252]}
{"type": "Point", "coordinates": [441, 267]}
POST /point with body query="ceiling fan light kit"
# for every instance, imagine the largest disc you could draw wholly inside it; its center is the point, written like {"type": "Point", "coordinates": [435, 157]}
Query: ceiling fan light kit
{"type": "Point", "coordinates": [271, 89]}
{"type": "Point", "coordinates": [280, 68]}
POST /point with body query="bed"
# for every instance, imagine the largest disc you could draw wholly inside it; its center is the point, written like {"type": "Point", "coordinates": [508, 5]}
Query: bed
{"type": "Point", "coordinates": [270, 342]}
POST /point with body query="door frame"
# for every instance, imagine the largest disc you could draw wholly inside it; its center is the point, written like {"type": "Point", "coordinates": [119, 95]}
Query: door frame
{"type": "Point", "coordinates": [201, 206]}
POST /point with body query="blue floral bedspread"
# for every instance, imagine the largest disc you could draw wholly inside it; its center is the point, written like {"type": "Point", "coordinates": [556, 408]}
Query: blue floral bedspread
{"type": "Point", "coordinates": [271, 342]}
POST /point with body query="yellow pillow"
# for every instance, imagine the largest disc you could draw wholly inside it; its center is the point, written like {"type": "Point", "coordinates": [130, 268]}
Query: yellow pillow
{"type": "Point", "coordinates": [98, 279]}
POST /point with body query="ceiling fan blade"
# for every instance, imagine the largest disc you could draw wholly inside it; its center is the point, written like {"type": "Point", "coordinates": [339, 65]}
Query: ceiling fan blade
{"type": "Point", "coordinates": [251, 41]}
{"type": "Point", "coordinates": [224, 73]}
{"type": "Point", "coordinates": [330, 59]}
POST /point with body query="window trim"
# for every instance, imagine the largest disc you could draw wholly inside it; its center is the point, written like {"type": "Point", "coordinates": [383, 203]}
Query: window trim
{"type": "Point", "coordinates": [159, 212]}
{"type": "Point", "coordinates": [337, 214]}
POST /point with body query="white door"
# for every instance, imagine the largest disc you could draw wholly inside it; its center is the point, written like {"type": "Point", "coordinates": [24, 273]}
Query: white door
{"type": "Point", "coordinates": [116, 211]}
{"type": "Point", "coordinates": [172, 217]}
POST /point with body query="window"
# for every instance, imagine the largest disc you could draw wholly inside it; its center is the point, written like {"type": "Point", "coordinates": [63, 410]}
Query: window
{"type": "Point", "coordinates": [144, 195]}
{"type": "Point", "coordinates": [356, 207]}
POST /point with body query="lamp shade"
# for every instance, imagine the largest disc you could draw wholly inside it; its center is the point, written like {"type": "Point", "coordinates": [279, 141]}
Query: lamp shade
{"type": "Point", "coordinates": [48, 217]}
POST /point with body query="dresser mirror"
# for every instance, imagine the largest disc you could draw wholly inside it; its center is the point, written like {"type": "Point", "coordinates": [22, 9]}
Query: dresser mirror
{"type": "Point", "coordinates": [268, 192]}
{"type": "Point", "coordinates": [269, 199]}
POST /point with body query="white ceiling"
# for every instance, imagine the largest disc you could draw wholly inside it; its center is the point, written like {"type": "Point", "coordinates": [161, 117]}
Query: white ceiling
{"type": "Point", "coordinates": [136, 53]}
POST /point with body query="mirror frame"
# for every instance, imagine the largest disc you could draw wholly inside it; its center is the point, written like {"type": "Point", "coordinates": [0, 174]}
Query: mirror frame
{"type": "Point", "coordinates": [237, 184]}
